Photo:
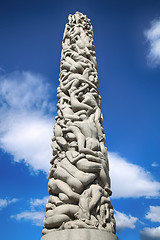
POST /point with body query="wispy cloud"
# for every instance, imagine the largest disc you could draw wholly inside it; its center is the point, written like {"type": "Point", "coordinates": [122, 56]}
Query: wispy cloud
{"type": "Point", "coordinates": [34, 203]}
{"type": "Point", "coordinates": [153, 214]}
{"type": "Point", "coordinates": [35, 214]}
{"type": "Point", "coordinates": [123, 221]}
{"type": "Point", "coordinates": [153, 37]}
{"type": "Point", "coordinates": [131, 180]}
{"type": "Point", "coordinates": [154, 164]}
{"type": "Point", "coordinates": [150, 233]}
{"type": "Point", "coordinates": [5, 202]}
{"type": "Point", "coordinates": [25, 118]}
{"type": "Point", "coordinates": [35, 217]}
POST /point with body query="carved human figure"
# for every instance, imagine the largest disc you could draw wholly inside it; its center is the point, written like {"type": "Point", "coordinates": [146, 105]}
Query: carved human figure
{"type": "Point", "coordinates": [86, 134]}
{"type": "Point", "coordinates": [88, 200]}
{"type": "Point", "coordinates": [62, 213]}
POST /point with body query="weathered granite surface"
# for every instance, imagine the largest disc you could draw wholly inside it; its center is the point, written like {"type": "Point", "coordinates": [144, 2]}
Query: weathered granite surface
{"type": "Point", "coordinates": [79, 182]}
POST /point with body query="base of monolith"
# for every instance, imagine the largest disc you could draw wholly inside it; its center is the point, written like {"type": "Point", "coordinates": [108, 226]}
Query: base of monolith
{"type": "Point", "coordinates": [79, 234]}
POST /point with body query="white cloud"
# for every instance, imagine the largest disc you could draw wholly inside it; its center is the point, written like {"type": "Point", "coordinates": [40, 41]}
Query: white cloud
{"type": "Point", "coordinates": [154, 214]}
{"type": "Point", "coordinates": [154, 164]}
{"type": "Point", "coordinates": [34, 203]}
{"type": "Point", "coordinates": [150, 233]}
{"type": "Point", "coordinates": [131, 180]}
{"type": "Point", "coordinates": [123, 221]}
{"type": "Point", "coordinates": [36, 212]}
{"type": "Point", "coordinates": [153, 37]}
{"type": "Point", "coordinates": [25, 118]}
{"type": "Point", "coordinates": [5, 202]}
{"type": "Point", "coordinates": [25, 90]}
{"type": "Point", "coordinates": [36, 217]}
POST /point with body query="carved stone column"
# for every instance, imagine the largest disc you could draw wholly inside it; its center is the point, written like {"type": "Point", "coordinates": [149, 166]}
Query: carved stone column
{"type": "Point", "coordinates": [79, 205]}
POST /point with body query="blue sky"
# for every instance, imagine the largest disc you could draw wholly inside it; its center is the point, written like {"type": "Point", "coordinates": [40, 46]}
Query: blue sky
{"type": "Point", "coordinates": [127, 44]}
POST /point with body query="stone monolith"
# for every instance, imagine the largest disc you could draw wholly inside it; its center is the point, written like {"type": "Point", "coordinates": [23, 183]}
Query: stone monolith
{"type": "Point", "coordinates": [79, 205]}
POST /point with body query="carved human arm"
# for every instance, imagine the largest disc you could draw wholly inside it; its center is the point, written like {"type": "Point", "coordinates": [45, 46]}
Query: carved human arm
{"type": "Point", "coordinates": [75, 159]}
{"type": "Point", "coordinates": [68, 114]}
{"type": "Point", "coordinates": [66, 86]}
{"type": "Point", "coordinates": [81, 89]}
{"type": "Point", "coordinates": [93, 158]}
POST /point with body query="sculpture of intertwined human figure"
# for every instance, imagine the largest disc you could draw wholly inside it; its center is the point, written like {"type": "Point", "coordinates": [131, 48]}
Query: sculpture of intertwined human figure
{"type": "Point", "coordinates": [79, 182]}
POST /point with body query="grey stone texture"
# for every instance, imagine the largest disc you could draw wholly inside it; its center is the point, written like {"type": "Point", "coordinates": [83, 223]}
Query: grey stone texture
{"type": "Point", "coordinates": [80, 234]}
{"type": "Point", "coordinates": [79, 182]}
